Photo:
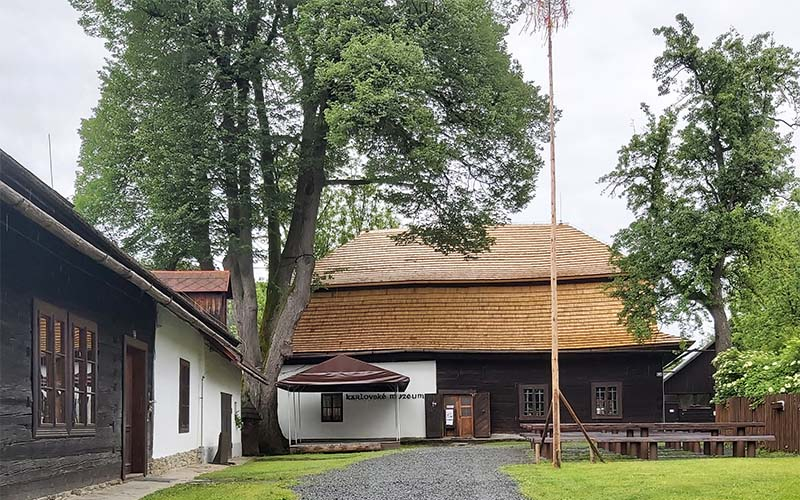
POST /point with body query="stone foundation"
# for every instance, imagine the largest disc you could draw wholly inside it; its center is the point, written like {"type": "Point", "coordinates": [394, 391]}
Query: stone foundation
{"type": "Point", "coordinates": [78, 492]}
{"type": "Point", "coordinates": [185, 458]}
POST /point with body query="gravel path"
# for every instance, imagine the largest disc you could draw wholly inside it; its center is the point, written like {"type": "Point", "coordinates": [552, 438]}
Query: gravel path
{"type": "Point", "coordinates": [431, 473]}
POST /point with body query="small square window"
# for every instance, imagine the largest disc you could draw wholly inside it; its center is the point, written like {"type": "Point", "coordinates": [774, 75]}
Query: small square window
{"type": "Point", "coordinates": [607, 400]}
{"type": "Point", "coordinates": [332, 407]}
{"type": "Point", "coordinates": [533, 402]}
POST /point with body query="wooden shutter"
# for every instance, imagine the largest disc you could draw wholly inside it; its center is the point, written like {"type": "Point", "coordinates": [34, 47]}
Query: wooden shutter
{"type": "Point", "coordinates": [183, 398]}
{"type": "Point", "coordinates": [434, 416]}
{"type": "Point", "coordinates": [482, 415]}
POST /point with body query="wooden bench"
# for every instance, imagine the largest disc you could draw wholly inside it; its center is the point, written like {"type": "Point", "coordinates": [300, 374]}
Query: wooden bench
{"type": "Point", "coordinates": [646, 447]}
{"type": "Point", "coordinates": [644, 429]}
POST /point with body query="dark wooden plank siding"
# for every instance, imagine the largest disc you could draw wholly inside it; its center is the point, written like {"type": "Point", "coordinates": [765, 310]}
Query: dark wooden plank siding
{"type": "Point", "coordinates": [697, 377]}
{"type": "Point", "coordinates": [34, 264]}
{"type": "Point", "coordinates": [638, 372]}
{"type": "Point", "coordinates": [214, 303]}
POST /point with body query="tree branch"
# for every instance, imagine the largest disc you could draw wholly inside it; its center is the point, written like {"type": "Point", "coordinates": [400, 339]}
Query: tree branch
{"type": "Point", "coordinates": [365, 182]}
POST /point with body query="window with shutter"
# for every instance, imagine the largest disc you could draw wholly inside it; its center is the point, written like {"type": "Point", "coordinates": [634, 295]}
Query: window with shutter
{"type": "Point", "coordinates": [183, 397]}
{"type": "Point", "coordinates": [64, 373]}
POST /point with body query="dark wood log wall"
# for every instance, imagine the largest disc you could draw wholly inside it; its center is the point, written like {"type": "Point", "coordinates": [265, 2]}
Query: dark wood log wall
{"type": "Point", "coordinates": [697, 377]}
{"type": "Point", "coordinates": [500, 376]}
{"type": "Point", "coordinates": [35, 264]}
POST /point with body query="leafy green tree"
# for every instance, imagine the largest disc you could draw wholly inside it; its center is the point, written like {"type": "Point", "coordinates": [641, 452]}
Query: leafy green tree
{"type": "Point", "coordinates": [345, 213]}
{"type": "Point", "coordinates": [700, 176]}
{"type": "Point", "coordinates": [765, 305]}
{"type": "Point", "coordinates": [424, 104]}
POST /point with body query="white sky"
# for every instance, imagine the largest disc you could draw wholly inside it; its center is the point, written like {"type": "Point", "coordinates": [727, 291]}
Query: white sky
{"type": "Point", "coordinates": [603, 66]}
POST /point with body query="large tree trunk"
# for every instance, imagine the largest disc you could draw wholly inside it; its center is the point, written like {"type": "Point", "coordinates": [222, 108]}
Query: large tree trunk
{"type": "Point", "coordinates": [722, 325]}
{"type": "Point", "coordinates": [295, 272]}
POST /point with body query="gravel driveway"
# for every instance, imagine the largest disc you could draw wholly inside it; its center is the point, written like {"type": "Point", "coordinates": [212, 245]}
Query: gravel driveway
{"type": "Point", "coordinates": [431, 473]}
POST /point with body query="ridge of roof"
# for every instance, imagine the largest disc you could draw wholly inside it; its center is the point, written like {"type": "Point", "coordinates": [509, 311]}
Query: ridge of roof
{"type": "Point", "coordinates": [196, 280]}
{"type": "Point", "coordinates": [520, 253]}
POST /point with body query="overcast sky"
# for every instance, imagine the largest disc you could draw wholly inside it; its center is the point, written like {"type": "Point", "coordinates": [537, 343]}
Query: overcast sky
{"type": "Point", "coordinates": [603, 66]}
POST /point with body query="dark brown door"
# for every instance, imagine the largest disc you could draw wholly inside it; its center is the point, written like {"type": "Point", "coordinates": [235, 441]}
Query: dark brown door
{"type": "Point", "coordinates": [482, 412]}
{"type": "Point", "coordinates": [434, 416]}
{"type": "Point", "coordinates": [226, 414]}
{"type": "Point", "coordinates": [224, 444]}
{"type": "Point", "coordinates": [134, 446]}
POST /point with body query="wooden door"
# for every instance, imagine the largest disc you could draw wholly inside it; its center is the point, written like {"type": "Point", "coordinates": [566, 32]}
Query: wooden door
{"type": "Point", "coordinates": [458, 415]}
{"type": "Point", "coordinates": [466, 416]}
{"type": "Point", "coordinates": [224, 445]}
{"type": "Point", "coordinates": [134, 445]}
{"type": "Point", "coordinates": [434, 416]}
{"type": "Point", "coordinates": [482, 415]}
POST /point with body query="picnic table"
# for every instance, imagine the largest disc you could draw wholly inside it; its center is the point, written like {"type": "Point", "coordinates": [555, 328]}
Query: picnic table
{"type": "Point", "coordinates": [641, 438]}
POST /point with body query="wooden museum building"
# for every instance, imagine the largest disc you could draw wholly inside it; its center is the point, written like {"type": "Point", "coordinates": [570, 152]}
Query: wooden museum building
{"type": "Point", "coordinates": [472, 336]}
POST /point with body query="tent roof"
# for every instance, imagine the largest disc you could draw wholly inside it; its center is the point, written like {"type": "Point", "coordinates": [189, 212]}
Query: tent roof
{"type": "Point", "coordinates": [344, 374]}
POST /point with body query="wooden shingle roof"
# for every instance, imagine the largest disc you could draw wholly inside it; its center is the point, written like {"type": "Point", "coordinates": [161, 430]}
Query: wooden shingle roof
{"type": "Point", "coordinates": [484, 318]}
{"type": "Point", "coordinates": [196, 281]}
{"type": "Point", "coordinates": [520, 253]}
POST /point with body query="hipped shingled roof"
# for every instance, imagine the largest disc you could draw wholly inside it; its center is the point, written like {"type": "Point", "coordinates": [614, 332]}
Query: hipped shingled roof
{"type": "Point", "coordinates": [521, 252]}
{"type": "Point", "coordinates": [196, 281]}
{"type": "Point", "coordinates": [380, 297]}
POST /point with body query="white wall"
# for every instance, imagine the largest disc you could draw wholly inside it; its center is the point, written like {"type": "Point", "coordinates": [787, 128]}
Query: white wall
{"type": "Point", "coordinates": [364, 417]}
{"type": "Point", "coordinates": [209, 374]}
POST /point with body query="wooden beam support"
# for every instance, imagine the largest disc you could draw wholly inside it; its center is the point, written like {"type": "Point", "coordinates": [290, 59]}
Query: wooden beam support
{"type": "Point", "coordinates": [592, 445]}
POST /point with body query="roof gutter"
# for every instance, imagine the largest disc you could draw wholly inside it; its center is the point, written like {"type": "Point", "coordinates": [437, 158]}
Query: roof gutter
{"type": "Point", "coordinates": [45, 220]}
{"type": "Point", "coordinates": [654, 347]}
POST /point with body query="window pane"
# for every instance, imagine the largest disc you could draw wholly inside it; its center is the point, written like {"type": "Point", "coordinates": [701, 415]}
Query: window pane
{"type": "Point", "coordinates": [45, 399]}
{"type": "Point", "coordinates": [89, 377]}
{"type": "Point", "coordinates": [59, 337]}
{"type": "Point", "coordinates": [90, 347]}
{"type": "Point", "coordinates": [466, 400]}
{"type": "Point", "coordinates": [60, 402]}
{"type": "Point", "coordinates": [76, 408]}
{"type": "Point", "coordinates": [466, 411]}
{"type": "Point", "coordinates": [44, 370]}
{"type": "Point", "coordinates": [90, 409]}
{"type": "Point", "coordinates": [76, 375]}
{"type": "Point", "coordinates": [60, 371]}
{"type": "Point", "coordinates": [539, 402]}
{"type": "Point", "coordinates": [44, 322]}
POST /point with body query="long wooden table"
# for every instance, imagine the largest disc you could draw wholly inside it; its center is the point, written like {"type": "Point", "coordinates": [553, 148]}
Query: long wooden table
{"type": "Point", "coordinates": [641, 438]}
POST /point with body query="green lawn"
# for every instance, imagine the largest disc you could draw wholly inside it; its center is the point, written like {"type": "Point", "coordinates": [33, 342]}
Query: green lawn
{"type": "Point", "coordinates": [681, 479]}
{"type": "Point", "coordinates": [268, 478]}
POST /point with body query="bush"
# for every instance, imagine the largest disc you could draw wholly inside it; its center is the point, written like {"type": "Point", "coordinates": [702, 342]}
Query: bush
{"type": "Point", "coordinates": [755, 374]}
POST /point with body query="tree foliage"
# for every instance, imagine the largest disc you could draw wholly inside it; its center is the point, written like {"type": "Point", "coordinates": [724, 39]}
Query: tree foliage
{"type": "Point", "coordinates": [244, 114]}
{"type": "Point", "coordinates": [765, 305]}
{"type": "Point", "coordinates": [701, 175]}
{"type": "Point", "coordinates": [765, 314]}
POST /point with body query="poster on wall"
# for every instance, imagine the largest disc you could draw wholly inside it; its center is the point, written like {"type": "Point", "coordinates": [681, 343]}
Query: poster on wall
{"type": "Point", "coordinates": [449, 416]}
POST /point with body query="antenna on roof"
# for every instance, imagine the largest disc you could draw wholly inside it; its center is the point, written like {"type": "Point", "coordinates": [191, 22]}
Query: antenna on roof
{"type": "Point", "coordinates": [50, 154]}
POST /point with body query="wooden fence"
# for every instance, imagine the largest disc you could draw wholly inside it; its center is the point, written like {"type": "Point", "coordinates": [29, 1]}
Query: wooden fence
{"type": "Point", "coordinates": [782, 419]}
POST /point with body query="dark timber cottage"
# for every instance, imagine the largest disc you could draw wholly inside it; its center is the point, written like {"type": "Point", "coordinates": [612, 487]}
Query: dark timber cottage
{"type": "Point", "coordinates": [473, 336]}
{"type": "Point", "coordinates": [83, 332]}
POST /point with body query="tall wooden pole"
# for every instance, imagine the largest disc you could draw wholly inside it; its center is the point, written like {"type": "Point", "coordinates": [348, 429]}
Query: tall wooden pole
{"type": "Point", "coordinates": [556, 400]}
